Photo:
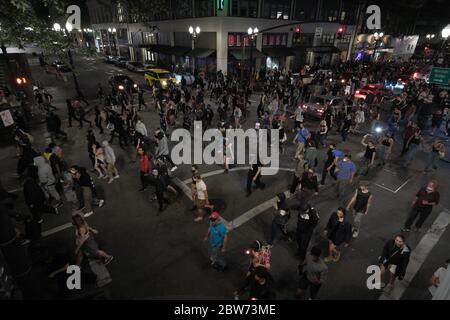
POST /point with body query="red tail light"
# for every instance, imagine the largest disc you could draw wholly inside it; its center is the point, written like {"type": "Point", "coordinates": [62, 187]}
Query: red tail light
{"type": "Point", "coordinates": [357, 91]}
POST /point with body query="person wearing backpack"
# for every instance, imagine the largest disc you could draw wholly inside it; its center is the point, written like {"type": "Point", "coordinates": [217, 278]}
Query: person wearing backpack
{"type": "Point", "coordinates": [260, 256]}
{"type": "Point", "coordinates": [279, 222]}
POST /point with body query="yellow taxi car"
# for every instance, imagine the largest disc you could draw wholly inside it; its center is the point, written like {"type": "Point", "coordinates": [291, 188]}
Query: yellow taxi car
{"type": "Point", "coordinates": [160, 75]}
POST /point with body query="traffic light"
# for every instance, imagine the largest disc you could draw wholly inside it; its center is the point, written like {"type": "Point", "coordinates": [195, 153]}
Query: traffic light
{"type": "Point", "coordinates": [340, 32]}
{"type": "Point", "coordinates": [297, 34]}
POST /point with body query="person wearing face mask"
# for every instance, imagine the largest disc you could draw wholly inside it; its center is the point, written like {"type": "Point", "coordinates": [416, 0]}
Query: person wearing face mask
{"type": "Point", "coordinates": [338, 231]}
{"type": "Point", "coordinates": [426, 198]}
{"type": "Point", "coordinates": [394, 259]}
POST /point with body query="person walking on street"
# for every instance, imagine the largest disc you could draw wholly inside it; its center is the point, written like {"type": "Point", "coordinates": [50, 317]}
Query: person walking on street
{"type": "Point", "coordinates": [369, 155]}
{"type": "Point", "coordinates": [394, 259]}
{"type": "Point", "coordinates": [218, 238]}
{"type": "Point", "coordinates": [262, 285]}
{"type": "Point", "coordinates": [300, 139]}
{"type": "Point", "coordinates": [200, 197]}
{"type": "Point", "coordinates": [163, 149]}
{"type": "Point", "coordinates": [346, 127]}
{"type": "Point", "coordinates": [98, 119]}
{"type": "Point", "coordinates": [437, 152]}
{"type": "Point", "coordinates": [81, 114]}
{"type": "Point", "coordinates": [157, 180]}
{"type": "Point", "coordinates": [298, 117]}
{"type": "Point", "coordinates": [347, 170]}
{"type": "Point", "coordinates": [338, 231]}
{"type": "Point", "coordinates": [309, 185]}
{"type": "Point", "coordinates": [413, 145]}
{"type": "Point", "coordinates": [35, 197]}
{"type": "Point", "coordinates": [260, 256]}
{"type": "Point", "coordinates": [311, 154]}
{"type": "Point", "coordinates": [438, 277]}
{"type": "Point", "coordinates": [409, 132]}
{"type": "Point", "coordinates": [308, 218]}
{"type": "Point", "coordinates": [385, 149]}
{"type": "Point", "coordinates": [361, 202]}
{"type": "Point", "coordinates": [333, 156]}
{"type": "Point", "coordinates": [110, 159]}
{"type": "Point", "coordinates": [70, 111]}
{"type": "Point", "coordinates": [300, 167]}
{"type": "Point", "coordinates": [144, 167]}
{"type": "Point", "coordinates": [87, 188]}
{"type": "Point", "coordinates": [47, 179]}
{"type": "Point", "coordinates": [254, 176]}
{"type": "Point", "coordinates": [313, 274]}
{"type": "Point", "coordinates": [280, 220]}
{"type": "Point", "coordinates": [141, 101]}
{"type": "Point", "coordinates": [426, 198]}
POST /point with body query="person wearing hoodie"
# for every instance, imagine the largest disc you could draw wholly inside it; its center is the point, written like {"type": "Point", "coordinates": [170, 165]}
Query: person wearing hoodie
{"type": "Point", "coordinates": [35, 197]}
{"type": "Point", "coordinates": [47, 179]}
{"type": "Point", "coordinates": [338, 231]}
{"type": "Point", "coordinates": [308, 219]}
{"type": "Point", "coordinates": [110, 158]}
{"type": "Point", "coordinates": [280, 221]}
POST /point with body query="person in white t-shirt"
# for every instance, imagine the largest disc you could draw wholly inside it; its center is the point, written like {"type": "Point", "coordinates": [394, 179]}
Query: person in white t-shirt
{"type": "Point", "coordinates": [200, 197]}
{"type": "Point", "coordinates": [298, 116]}
{"type": "Point", "coordinates": [437, 277]}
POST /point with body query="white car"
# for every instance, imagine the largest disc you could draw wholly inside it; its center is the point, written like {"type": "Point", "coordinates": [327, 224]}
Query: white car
{"type": "Point", "coordinates": [135, 66]}
{"type": "Point", "coordinates": [317, 107]}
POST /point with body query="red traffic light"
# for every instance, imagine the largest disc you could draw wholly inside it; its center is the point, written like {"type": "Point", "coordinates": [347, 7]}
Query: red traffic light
{"type": "Point", "coordinates": [341, 30]}
{"type": "Point", "coordinates": [297, 29]}
{"type": "Point", "coordinates": [21, 80]}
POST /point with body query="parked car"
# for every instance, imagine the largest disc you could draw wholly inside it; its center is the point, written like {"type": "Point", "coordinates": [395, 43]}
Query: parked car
{"type": "Point", "coordinates": [135, 66]}
{"type": "Point", "coordinates": [61, 66]}
{"type": "Point", "coordinates": [317, 107]}
{"type": "Point", "coordinates": [123, 82]}
{"type": "Point", "coordinates": [161, 75]}
{"type": "Point", "coordinates": [121, 62]}
{"type": "Point", "coordinates": [110, 59]}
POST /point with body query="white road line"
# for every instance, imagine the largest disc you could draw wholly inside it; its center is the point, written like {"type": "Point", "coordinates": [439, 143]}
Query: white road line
{"type": "Point", "coordinates": [404, 184]}
{"type": "Point", "coordinates": [15, 190]}
{"type": "Point", "coordinates": [215, 172]}
{"type": "Point", "coordinates": [56, 229]}
{"type": "Point", "coordinates": [383, 187]}
{"type": "Point", "coordinates": [250, 214]}
{"type": "Point", "coordinates": [419, 255]}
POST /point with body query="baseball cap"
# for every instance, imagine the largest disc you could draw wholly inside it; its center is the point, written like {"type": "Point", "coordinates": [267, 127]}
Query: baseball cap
{"type": "Point", "coordinates": [214, 216]}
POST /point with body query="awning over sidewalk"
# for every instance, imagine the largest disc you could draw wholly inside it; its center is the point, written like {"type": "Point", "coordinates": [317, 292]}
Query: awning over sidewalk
{"type": "Point", "coordinates": [319, 49]}
{"type": "Point", "coordinates": [176, 51]}
{"type": "Point", "coordinates": [201, 52]}
{"type": "Point", "coordinates": [240, 55]}
{"type": "Point", "coordinates": [278, 52]}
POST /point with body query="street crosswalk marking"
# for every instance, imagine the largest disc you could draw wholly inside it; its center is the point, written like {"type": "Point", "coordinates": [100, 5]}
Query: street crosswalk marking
{"type": "Point", "coordinates": [419, 255]}
{"type": "Point", "coordinates": [396, 190]}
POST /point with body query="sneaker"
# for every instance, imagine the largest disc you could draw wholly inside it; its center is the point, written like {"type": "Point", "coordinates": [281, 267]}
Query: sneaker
{"type": "Point", "coordinates": [355, 233]}
{"type": "Point", "coordinates": [88, 214]}
{"type": "Point", "coordinates": [108, 260]}
{"type": "Point", "coordinates": [56, 210]}
{"type": "Point", "coordinates": [24, 242]}
{"type": "Point", "coordinates": [338, 256]}
{"type": "Point", "coordinates": [110, 180]}
{"type": "Point", "coordinates": [59, 204]}
{"type": "Point", "coordinates": [198, 219]}
{"type": "Point", "coordinates": [101, 203]}
{"type": "Point", "coordinates": [101, 176]}
{"type": "Point", "coordinates": [40, 220]}
{"type": "Point", "coordinates": [328, 259]}
{"type": "Point", "coordinates": [116, 177]}
{"type": "Point", "coordinates": [406, 230]}
{"type": "Point", "coordinates": [173, 169]}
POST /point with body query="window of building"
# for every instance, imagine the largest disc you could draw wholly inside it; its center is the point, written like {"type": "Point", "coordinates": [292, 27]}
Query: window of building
{"type": "Point", "coordinates": [182, 9]}
{"type": "Point", "coordinates": [120, 16]}
{"type": "Point", "coordinates": [231, 40]}
{"type": "Point", "coordinates": [303, 40]}
{"type": "Point", "coordinates": [330, 10]}
{"type": "Point", "coordinates": [276, 9]}
{"type": "Point", "coordinates": [328, 38]}
{"type": "Point", "coordinates": [277, 39]}
{"type": "Point", "coordinates": [244, 8]}
{"type": "Point", "coordinates": [151, 56]}
{"type": "Point", "coordinates": [305, 10]}
{"type": "Point", "coordinates": [349, 10]}
{"type": "Point", "coordinates": [204, 8]}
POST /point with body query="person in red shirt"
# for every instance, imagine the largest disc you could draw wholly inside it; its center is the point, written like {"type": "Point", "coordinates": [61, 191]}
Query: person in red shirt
{"type": "Point", "coordinates": [426, 198]}
{"type": "Point", "coordinates": [144, 167]}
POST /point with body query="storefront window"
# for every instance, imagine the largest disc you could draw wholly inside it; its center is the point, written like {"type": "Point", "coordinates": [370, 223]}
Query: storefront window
{"type": "Point", "coordinates": [231, 40]}
{"type": "Point", "coordinates": [279, 39]}
{"type": "Point", "coordinates": [276, 9]}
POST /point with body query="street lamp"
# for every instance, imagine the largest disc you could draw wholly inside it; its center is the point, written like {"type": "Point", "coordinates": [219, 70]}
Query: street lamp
{"type": "Point", "coordinates": [252, 32]}
{"type": "Point", "coordinates": [57, 27]}
{"type": "Point", "coordinates": [377, 36]}
{"type": "Point", "coordinates": [446, 32]}
{"type": "Point", "coordinates": [194, 34]}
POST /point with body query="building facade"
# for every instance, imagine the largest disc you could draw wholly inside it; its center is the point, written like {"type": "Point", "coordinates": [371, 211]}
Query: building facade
{"type": "Point", "coordinates": [292, 33]}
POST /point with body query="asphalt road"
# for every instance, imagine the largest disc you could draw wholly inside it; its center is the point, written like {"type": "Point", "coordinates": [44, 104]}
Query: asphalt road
{"type": "Point", "coordinates": [164, 256]}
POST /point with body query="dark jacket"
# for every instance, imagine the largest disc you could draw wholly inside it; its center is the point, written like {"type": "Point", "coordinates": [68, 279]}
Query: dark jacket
{"type": "Point", "coordinates": [33, 193]}
{"type": "Point", "coordinates": [394, 255]}
{"type": "Point", "coordinates": [262, 292]}
{"type": "Point", "coordinates": [282, 219]}
{"type": "Point", "coordinates": [309, 183]}
{"type": "Point", "coordinates": [307, 220]}
{"type": "Point", "coordinates": [338, 232]}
